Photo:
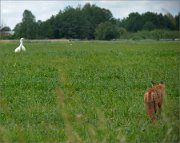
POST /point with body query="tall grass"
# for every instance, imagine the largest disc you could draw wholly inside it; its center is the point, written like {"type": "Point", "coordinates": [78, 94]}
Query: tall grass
{"type": "Point", "coordinates": [87, 92]}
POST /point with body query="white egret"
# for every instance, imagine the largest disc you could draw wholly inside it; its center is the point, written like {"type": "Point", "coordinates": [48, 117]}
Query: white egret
{"type": "Point", "coordinates": [20, 47]}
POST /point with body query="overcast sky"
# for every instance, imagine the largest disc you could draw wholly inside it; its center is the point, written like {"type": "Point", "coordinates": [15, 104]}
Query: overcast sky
{"type": "Point", "coordinates": [11, 11]}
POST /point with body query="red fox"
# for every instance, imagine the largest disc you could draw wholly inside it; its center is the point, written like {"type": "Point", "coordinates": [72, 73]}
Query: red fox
{"type": "Point", "coordinates": [153, 99]}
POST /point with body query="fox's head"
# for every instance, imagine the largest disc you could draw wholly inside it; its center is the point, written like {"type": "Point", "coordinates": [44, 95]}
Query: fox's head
{"type": "Point", "coordinates": [161, 84]}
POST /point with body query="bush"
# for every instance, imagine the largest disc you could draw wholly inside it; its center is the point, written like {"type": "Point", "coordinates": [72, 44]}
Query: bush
{"type": "Point", "coordinates": [157, 34]}
{"type": "Point", "coordinates": [144, 34]}
{"type": "Point", "coordinates": [122, 32]}
{"type": "Point", "coordinates": [106, 31]}
{"type": "Point", "coordinates": [164, 34]}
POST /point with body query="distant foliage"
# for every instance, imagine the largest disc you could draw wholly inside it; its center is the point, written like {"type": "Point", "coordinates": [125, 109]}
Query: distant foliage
{"type": "Point", "coordinates": [149, 26]}
{"type": "Point", "coordinates": [158, 34]}
{"type": "Point", "coordinates": [93, 22]}
{"type": "Point", "coordinates": [76, 23]}
{"type": "Point", "coordinates": [106, 31]}
{"type": "Point", "coordinates": [28, 27]}
{"type": "Point", "coordinates": [149, 21]}
{"type": "Point", "coordinates": [164, 34]}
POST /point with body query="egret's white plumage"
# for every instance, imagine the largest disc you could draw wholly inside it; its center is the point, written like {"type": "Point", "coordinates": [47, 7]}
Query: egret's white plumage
{"type": "Point", "coordinates": [23, 48]}
{"type": "Point", "coordinates": [20, 47]}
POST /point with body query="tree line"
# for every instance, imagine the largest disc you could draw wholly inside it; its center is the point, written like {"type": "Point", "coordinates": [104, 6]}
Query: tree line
{"type": "Point", "coordinates": [92, 22]}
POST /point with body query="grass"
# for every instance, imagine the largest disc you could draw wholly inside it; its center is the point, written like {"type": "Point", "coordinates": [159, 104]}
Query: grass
{"type": "Point", "coordinates": [87, 91]}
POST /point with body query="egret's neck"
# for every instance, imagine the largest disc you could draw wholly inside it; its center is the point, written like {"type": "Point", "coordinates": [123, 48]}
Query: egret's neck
{"type": "Point", "coordinates": [21, 41]}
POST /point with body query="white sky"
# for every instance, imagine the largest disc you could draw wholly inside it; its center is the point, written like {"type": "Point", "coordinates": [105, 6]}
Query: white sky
{"type": "Point", "coordinates": [11, 11]}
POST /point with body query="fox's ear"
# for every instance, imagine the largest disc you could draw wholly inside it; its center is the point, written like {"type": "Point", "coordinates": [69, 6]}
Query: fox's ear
{"type": "Point", "coordinates": [153, 83]}
{"type": "Point", "coordinates": [161, 82]}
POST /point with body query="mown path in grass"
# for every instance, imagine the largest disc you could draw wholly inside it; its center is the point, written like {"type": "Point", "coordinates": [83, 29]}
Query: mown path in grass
{"type": "Point", "coordinates": [87, 92]}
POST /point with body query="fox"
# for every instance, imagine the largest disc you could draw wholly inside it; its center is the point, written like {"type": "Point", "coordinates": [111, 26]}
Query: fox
{"type": "Point", "coordinates": [153, 99]}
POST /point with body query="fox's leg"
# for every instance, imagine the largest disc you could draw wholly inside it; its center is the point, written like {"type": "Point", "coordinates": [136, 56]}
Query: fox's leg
{"type": "Point", "coordinates": [155, 107]}
{"type": "Point", "coordinates": [151, 111]}
{"type": "Point", "coordinates": [159, 105]}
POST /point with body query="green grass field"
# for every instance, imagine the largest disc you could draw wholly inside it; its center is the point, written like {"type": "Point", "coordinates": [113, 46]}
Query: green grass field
{"type": "Point", "coordinates": [87, 92]}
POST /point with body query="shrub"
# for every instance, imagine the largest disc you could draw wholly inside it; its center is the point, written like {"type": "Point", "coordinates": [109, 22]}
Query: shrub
{"type": "Point", "coordinates": [106, 31]}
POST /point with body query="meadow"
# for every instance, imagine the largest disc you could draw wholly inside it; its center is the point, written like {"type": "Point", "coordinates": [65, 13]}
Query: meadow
{"type": "Point", "coordinates": [90, 91]}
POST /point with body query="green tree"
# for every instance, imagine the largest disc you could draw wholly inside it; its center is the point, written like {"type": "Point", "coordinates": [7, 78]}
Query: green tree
{"type": "Point", "coordinates": [134, 22]}
{"type": "Point", "coordinates": [122, 32]}
{"type": "Point", "coordinates": [80, 22]}
{"type": "Point", "coordinates": [18, 30]}
{"type": "Point", "coordinates": [47, 28]}
{"type": "Point", "coordinates": [177, 19]}
{"type": "Point", "coordinates": [94, 16]}
{"type": "Point", "coordinates": [149, 21]}
{"type": "Point", "coordinates": [106, 31]}
{"type": "Point", "coordinates": [68, 23]}
{"type": "Point", "coordinates": [149, 26]}
{"type": "Point", "coordinates": [28, 27]}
